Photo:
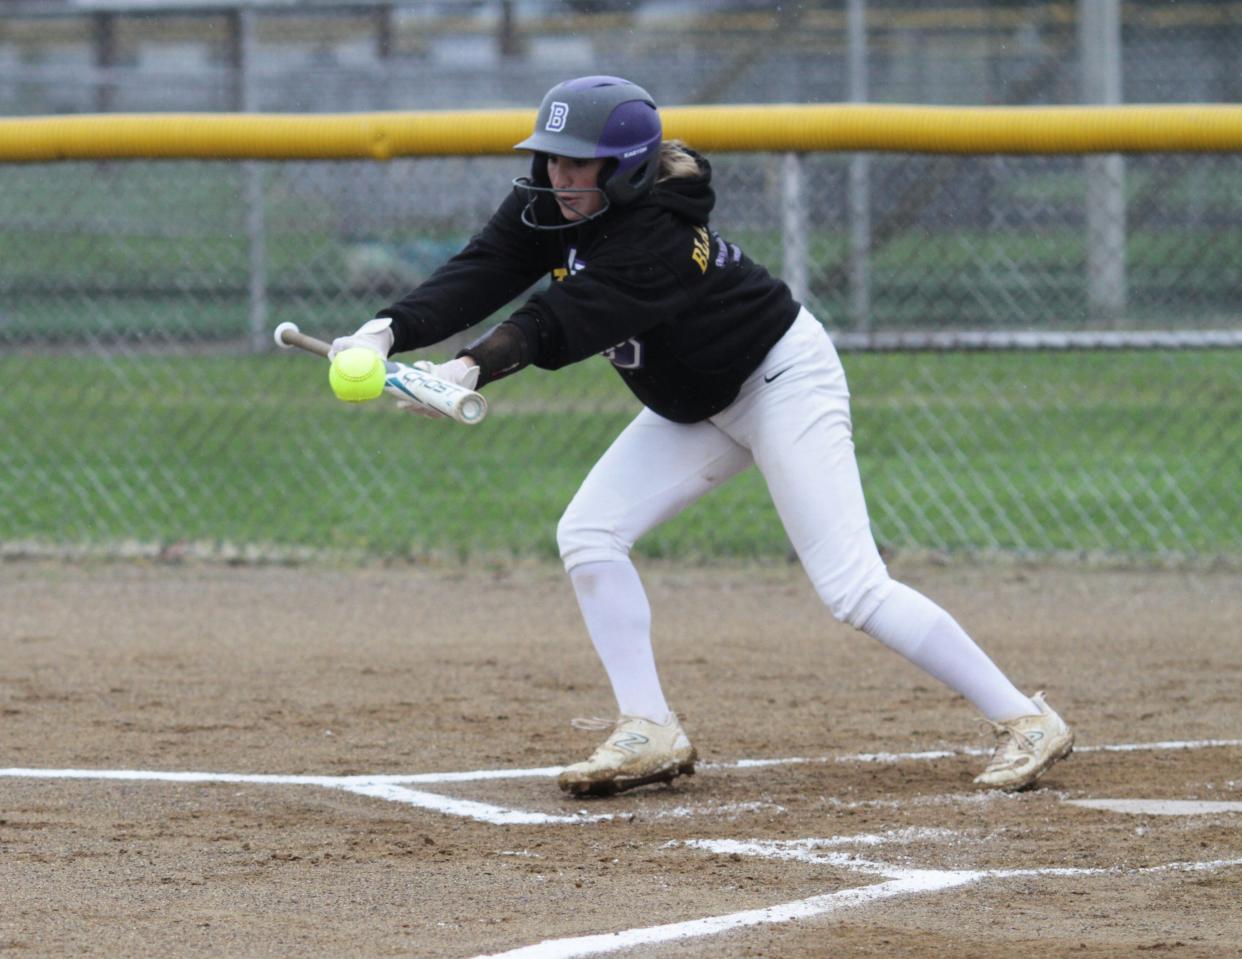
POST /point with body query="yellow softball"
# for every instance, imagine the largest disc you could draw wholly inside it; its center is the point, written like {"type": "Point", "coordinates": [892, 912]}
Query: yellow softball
{"type": "Point", "coordinates": [356, 375]}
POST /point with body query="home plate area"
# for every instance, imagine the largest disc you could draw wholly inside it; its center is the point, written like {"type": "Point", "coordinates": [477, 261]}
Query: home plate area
{"type": "Point", "coordinates": [890, 843]}
{"type": "Point", "coordinates": [811, 838]}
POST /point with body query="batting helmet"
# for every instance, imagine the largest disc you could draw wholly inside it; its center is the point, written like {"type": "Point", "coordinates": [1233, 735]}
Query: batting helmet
{"type": "Point", "coordinates": [594, 117]}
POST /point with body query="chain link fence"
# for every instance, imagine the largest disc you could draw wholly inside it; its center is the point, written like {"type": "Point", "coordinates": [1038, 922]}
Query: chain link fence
{"type": "Point", "coordinates": [357, 55]}
{"type": "Point", "coordinates": [137, 410]}
{"type": "Point", "coordinates": [145, 410]}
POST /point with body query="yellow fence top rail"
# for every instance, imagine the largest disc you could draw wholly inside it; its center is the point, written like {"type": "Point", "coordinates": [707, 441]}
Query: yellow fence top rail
{"type": "Point", "coordinates": [1173, 128]}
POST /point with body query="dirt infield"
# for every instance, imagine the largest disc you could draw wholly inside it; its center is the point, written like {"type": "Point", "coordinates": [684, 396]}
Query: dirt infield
{"type": "Point", "coordinates": [342, 698]}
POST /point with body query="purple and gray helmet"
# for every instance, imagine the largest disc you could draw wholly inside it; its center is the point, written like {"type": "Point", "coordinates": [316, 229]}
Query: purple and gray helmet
{"type": "Point", "coordinates": [593, 117]}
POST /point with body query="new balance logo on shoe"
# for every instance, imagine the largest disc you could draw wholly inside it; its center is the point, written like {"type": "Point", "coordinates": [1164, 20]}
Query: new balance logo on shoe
{"type": "Point", "coordinates": [630, 742]}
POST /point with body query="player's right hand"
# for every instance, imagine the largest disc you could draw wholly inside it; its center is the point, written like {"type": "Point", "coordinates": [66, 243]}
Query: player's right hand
{"type": "Point", "coordinates": [372, 335]}
{"type": "Point", "coordinates": [458, 372]}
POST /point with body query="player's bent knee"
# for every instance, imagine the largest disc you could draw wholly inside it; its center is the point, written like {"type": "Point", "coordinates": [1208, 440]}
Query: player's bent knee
{"type": "Point", "coordinates": [584, 542]}
{"type": "Point", "coordinates": [855, 606]}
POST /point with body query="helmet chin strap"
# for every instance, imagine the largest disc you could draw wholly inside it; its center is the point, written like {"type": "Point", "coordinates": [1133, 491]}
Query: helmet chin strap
{"type": "Point", "coordinates": [524, 186]}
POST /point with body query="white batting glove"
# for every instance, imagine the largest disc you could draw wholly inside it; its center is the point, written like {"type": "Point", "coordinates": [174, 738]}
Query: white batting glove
{"type": "Point", "coordinates": [372, 335]}
{"type": "Point", "coordinates": [456, 371]}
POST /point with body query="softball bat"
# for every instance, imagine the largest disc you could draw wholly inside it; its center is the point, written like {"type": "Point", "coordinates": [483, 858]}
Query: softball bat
{"type": "Point", "coordinates": [402, 381]}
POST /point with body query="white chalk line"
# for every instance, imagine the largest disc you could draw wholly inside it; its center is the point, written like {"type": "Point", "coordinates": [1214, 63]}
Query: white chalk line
{"type": "Point", "coordinates": [898, 882]}
{"type": "Point", "coordinates": [483, 812]}
{"type": "Point", "coordinates": [282, 779]}
{"type": "Point", "coordinates": [547, 772]}
{"type": "Point", "coordinates": [714, 925]}
{"type": "Point", "coordinates": [809, 851]}
{"type": "Point", "coordinates": [1159, 807]}
{"type": "Point", "coordinates": [391, 787]}
{"type": "Point", "coordinates": [932, 754]}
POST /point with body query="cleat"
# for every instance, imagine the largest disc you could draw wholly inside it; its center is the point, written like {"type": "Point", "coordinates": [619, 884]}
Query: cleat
{"type": "Point", "coordinates": [1026, 747]}
{"type": "Point", "coordinates": [638, 752]}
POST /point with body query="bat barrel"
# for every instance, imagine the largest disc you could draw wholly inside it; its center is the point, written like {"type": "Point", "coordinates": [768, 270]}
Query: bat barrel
{"type": "Point", "coordinates": [449, 399]}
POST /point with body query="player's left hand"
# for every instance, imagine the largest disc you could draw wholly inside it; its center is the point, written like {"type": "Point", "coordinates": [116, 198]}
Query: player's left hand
{"type": "Point", "coordinates": [458, 372]}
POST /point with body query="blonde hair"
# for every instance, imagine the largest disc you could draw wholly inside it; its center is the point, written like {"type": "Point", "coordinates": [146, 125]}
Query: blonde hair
{"type": "Point", "coordinates": [676, 162]}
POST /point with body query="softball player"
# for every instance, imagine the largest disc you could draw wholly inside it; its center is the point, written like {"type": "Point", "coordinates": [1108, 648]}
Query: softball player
{"type": "Point", "coordinates": [731, 372]}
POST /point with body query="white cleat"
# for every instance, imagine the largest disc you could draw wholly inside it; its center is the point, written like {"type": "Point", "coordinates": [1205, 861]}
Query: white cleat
{"type": "Point", "coordinates": [1026, 747]}
{"type": "Point", "coordinates": [637, 752]}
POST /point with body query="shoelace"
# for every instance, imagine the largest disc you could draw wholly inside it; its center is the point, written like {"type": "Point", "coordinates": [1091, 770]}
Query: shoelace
{"type": "Point", "coordinates": [593, 724]}
{"type": "Point", "coordinates": [598, 723]}
{"type": "Point", "coordinates": [1003, 730]}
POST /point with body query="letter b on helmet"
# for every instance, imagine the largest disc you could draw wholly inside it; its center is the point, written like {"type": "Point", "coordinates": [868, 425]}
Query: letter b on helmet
{"type": "Point", "coordinates": [557, 112]}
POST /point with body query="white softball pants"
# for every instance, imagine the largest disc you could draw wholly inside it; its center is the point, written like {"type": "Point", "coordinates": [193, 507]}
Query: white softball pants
{"type": "Point", "coordinates": [796, 429]}
{"type": "Point", "coordinates": [791, 419]}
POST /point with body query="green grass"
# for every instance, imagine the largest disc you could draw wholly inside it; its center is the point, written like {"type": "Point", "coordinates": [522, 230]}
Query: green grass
{"type": "Point", "coordinates": [1123, 453]}
{"type": "Point", "coordinates": [1058, 451]}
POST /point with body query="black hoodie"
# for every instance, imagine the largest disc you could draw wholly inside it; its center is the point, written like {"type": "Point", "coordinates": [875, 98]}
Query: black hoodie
{"type": "Point", "coordinates": [683, 315]}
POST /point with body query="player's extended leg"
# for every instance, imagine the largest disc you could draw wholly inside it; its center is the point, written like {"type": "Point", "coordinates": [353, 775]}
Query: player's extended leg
{"type": "Point", "coordinates": [794, 415]}
{"type": "Point", "coordinates": [652, 471]}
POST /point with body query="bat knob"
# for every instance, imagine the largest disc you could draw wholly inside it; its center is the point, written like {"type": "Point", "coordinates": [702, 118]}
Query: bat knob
{"type": "Point", "coordinates": [278, 334]}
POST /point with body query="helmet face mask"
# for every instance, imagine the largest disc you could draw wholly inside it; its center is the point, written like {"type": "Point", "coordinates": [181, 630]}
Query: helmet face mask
{"type": "Point", "coordinates": [527, 188]}
{"type": "Point", "coordinates": [591, 118]}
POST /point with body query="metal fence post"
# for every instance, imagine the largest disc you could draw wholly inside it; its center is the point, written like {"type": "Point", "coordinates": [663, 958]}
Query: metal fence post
{"type": "Point", "coordinates": [859, 177]}
{"type": "Point", "coordinates": [243, 36]}
{"type": "Point", "coordinates": [104, 48]}
{"type": "Point", "coordinates": [1099, 31]}
{"type": "Point", "coordinates": [793, 226]}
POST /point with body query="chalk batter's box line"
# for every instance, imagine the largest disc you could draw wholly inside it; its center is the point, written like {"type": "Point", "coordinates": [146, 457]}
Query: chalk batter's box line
{"type": "Point", "coordinates": [898, 882]}
{"type": "Point", "coordinates": [548, 772]}
{"type": "Point", "coordinates": [395, 788]}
